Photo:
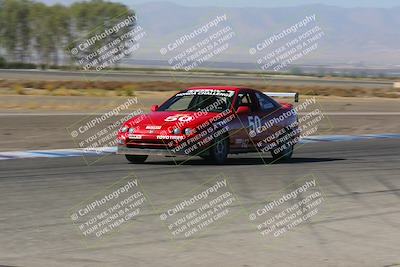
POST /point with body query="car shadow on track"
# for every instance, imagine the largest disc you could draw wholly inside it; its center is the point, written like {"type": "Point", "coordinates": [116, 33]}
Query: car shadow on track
{"type": "Point", "coordinates": [243, 161]}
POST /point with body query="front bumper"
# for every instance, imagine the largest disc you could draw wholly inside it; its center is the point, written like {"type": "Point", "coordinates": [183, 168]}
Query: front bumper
{"type": "Point", "coordinates": [123, 150]}
{"type": "Point", "coordinates": [166, 145]}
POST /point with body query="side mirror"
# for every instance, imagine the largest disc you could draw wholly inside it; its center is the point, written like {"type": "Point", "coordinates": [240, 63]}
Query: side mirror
{"type": "Point", "coordinates": [243, 110]}
{"type": "Point", "coordinates": [154, 108]}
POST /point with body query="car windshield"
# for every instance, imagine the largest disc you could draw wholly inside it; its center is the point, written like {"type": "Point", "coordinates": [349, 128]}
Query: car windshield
{"type": "Point", "coordinates": [199, 100]}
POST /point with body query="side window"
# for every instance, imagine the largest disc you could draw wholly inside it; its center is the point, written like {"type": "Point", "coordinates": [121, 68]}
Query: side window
{"type": "Point", "coordinates": [244, 99]}
{"type": "Point", "coordinates": [265, 103]}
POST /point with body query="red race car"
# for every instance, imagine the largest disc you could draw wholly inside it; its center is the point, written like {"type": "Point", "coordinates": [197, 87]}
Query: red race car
{"type": "Point", "coordinates": [212, 122]}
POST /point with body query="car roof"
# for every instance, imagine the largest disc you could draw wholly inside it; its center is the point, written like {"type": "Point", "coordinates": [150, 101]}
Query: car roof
{"type": "Point", "coordinates": [234, 88]}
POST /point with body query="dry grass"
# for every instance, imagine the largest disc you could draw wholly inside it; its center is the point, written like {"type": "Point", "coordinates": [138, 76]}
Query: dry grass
{"type": "Point", "coordinates": [334, 91]}
{"type": "Point", "coordinates": [18, 89]}
{"type": "Point", "coordinates": [112, 88]}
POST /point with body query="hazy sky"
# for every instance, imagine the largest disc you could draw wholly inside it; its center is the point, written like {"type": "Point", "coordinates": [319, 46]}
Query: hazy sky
{"type": "Point", "coordinates": [261, 3]}
{"type": "Point", "coordinates": [272, 3]}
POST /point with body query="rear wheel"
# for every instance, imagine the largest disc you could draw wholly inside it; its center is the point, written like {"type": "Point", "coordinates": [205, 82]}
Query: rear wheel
{"type": "Point", "coordinates": [136, 158]}
{"type": "Point", "coordinates": [219, 150]}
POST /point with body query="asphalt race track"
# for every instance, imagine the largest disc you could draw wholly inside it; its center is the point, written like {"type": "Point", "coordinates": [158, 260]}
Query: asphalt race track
{"type": "Point", "coordinates": [358, 223]}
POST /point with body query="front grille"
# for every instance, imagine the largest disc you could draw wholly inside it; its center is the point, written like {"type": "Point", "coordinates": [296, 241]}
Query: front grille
{"type": "Point", "coordinates": [156, 144]}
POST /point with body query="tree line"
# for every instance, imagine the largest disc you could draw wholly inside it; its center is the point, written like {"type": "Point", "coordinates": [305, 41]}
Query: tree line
{"type": "Point", "coordinates": [33, 32]}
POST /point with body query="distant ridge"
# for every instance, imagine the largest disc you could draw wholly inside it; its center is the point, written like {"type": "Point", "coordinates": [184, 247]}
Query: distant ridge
{"type": "Point", "coordinates": [353, 35]}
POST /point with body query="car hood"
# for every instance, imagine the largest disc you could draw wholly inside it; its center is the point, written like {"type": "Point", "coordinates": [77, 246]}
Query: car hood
{"type": "Point", "coordinates": [166, 120]}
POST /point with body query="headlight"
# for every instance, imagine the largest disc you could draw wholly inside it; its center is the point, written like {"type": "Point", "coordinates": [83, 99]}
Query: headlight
{"type": "Point", "coordinates": [176, 131]}
{"type": "Point", "coordinates": [131, 130]}
{"type": "Point", "coordinates": [188, 131]}
{"type": "Point", "coordinates": [124, 129]}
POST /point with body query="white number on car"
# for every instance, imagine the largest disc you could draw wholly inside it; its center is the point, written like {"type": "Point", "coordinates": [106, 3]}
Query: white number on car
{"type": "Point", "coordinates": [254, 123]}
{"type": "Point", "coordinates": [182, 118]}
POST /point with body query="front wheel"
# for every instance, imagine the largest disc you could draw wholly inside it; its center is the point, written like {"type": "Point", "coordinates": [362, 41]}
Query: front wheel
{"type": "Point", "coordinates": [219, 150]}
{"type": "Point", "coordinates": [136, 158]}
{"type": "Point", "coordinates": [285, 152]}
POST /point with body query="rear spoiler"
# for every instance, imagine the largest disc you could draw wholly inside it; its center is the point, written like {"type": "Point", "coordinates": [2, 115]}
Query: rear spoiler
{"type": "Point", "coordinates": [277, 94]}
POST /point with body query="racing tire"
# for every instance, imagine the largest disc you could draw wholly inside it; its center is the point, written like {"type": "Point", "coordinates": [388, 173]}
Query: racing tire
{"type": "Point", "coordinates": [286, 153]}
{"type": "Point", "coordinates": [283, 155]}
{"type": "Point", "coordinates": [136, 158]}
{"type": "Point", "coordinates": [219, 151]}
